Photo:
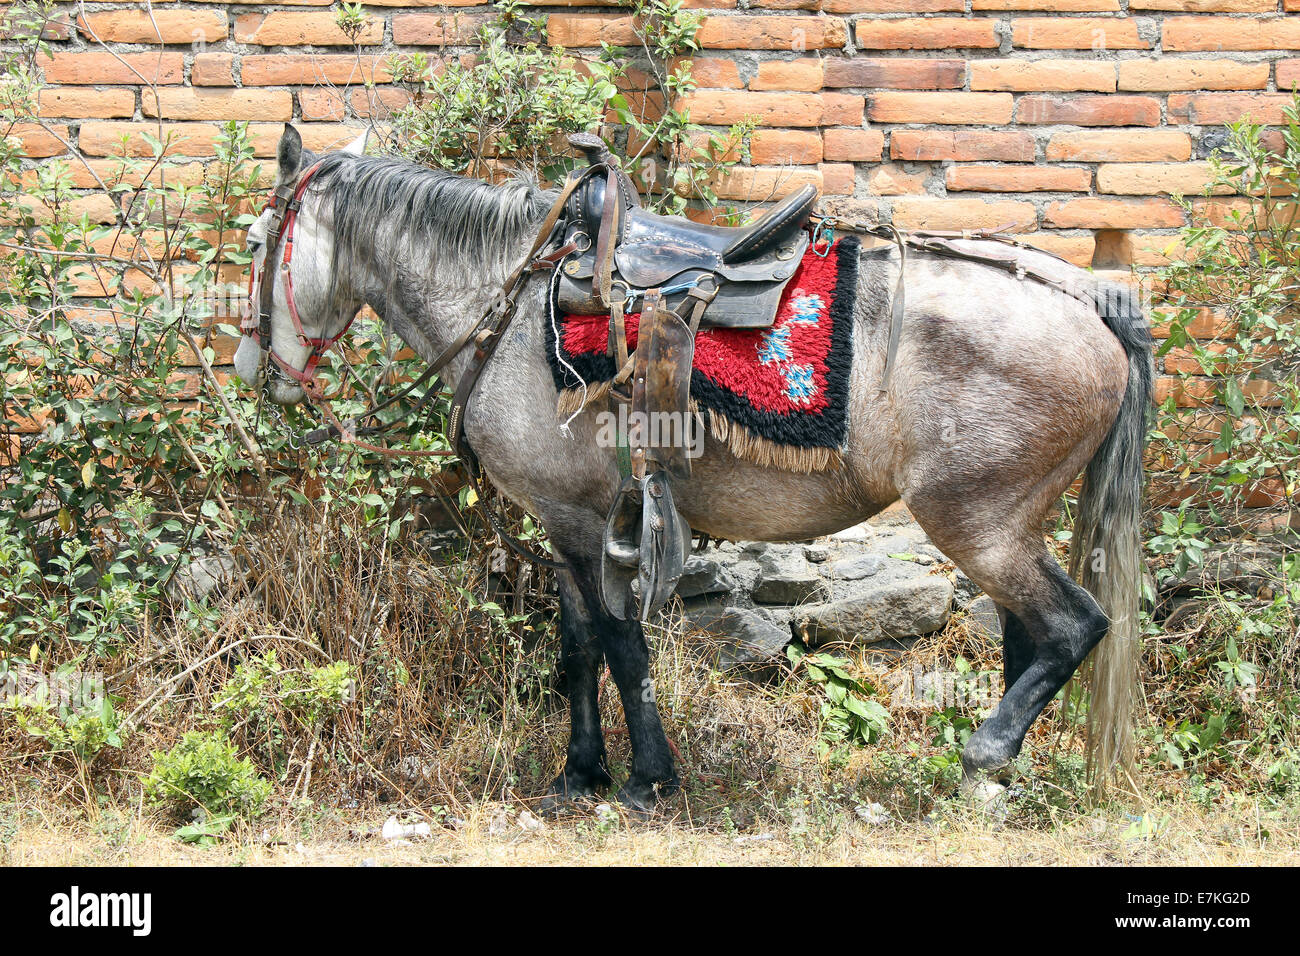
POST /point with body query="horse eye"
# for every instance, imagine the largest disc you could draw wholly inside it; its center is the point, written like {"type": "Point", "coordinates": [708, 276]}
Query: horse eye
{"type": "Point", "coordinates": [253, 245]}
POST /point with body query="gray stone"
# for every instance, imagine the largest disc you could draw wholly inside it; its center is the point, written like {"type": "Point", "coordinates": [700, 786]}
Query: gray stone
{"type": "Point", "coordinates": [816, 553]}
{"type": "Point", "coordinates": [857, 568]}
{"type": "Point", "coordinates": [966, 589]}
{"type": "Point", "coordinates": [903, 608]}
{"type": "Point", "coordinates": [786, 578]}
{"type": "Point", "coordinates": [705, 574]}
{"type": "Point", "coordinates": [983, 615]}
{"type": "Point", "coordinates": [197, 579]}
{"type": "Point", "coordinates": [746, 636]}
{"type": "Point", "coordinates": [857, 533]}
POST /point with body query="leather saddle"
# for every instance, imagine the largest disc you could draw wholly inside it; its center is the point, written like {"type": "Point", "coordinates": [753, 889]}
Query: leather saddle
{"type": "Point", "coordinates": [750, 265]}
{"type": "Point", "coordinates": [613, 258]}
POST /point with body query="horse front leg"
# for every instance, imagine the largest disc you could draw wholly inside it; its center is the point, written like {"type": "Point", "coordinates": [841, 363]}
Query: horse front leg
{"type": "Point", "coordinates": [628, 655]}
{"type": "Point", "coordinates": [653, 774]}
{"type": "Point", "coordinates": [581, 658]}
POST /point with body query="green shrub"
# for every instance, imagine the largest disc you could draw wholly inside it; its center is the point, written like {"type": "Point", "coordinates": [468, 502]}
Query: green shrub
{"type": "Point", "coordinates": [511, 106]}
{"type": "Point", "coordinates": [1245, 265]}
{"type": "Point", "coordinates": [204, 771]}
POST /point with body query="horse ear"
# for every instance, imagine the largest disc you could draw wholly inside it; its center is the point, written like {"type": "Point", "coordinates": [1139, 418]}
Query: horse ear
{"type": "Point", "coordinates": [358, 146]}
{"type": "Point", "coordinates": [289, 153]}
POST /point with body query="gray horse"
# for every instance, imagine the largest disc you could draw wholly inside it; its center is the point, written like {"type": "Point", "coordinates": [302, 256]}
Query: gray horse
{"type": "Point", "coordinates": [1003, 391]}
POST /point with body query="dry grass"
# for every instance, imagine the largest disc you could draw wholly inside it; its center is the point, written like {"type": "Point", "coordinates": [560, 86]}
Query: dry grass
{"type": "Point", "coordinates": [955, 836]}
{"type": "Point", "coordinates": [459, 718]}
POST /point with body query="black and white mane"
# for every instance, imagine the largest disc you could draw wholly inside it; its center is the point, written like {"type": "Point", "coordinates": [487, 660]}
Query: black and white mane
{"type": "Point", "coordinates": [399, 212]}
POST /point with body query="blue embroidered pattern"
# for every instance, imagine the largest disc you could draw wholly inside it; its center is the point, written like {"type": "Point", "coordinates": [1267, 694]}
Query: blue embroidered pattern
{"type": "Point", "coordinates": [774, 348]}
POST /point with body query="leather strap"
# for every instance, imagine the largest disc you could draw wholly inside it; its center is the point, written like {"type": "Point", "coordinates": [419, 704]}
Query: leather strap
{"type": "Point", "coordinates": [897, 311]}
{"type": "Point", "coordinates": [607, 238]}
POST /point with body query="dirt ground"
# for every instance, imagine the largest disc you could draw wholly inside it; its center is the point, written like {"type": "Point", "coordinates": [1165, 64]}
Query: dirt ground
{"type": "Point", "coordinates": [493, 834]}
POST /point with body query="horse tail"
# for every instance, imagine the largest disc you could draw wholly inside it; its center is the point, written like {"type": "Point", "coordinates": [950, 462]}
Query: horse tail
{"type": "Point", "coordinates": [1106, 556]}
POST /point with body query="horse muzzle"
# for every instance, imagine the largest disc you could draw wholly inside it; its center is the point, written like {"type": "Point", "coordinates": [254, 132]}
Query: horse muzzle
{"type": "Point", "coordinates": [277, 388]}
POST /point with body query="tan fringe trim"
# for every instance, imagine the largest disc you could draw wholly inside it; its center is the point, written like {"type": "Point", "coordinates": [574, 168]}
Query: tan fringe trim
{"type": "Point", "coordinates": [740, 441]}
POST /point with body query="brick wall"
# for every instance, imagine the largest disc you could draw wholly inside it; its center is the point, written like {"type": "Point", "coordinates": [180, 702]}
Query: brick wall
{"type": "Point", "coordinates": [1070, 122]}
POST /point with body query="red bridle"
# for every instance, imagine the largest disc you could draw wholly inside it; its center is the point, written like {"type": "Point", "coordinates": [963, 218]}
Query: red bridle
{"type": "Point", "coordinates": [256, 323]}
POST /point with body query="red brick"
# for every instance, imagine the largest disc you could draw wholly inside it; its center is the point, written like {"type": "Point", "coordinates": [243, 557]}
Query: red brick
{"type": "Point", "coordinates": [1134, 146]}
{"type": "Point", "coordinates": [896, 74]}
{"type": "Point", "coordinates": [942, 214]}
{"type": "Point", "coordinates": [1288, 73]}
{"type": "Point", "coordinates": [777, 147]}
{"type": "Point", "coordinates": [888, 179]}
{"type": "Point", "coordinates": [725, 107]}
{"type": "Point", "coordinates": [715, 73]}
{"type": "Point", "coordinates": [1220, 33]}
{"type": "Point", "coordinates": [1089, 110]}
{"type": "Point", "coordinates": [1215, 109]}
{"type": "Point", "coordinates": [104, 137]}
{"type": "Point", "coordinates": [853, 145]}
{"type": "Point", "coordinates": [86, 104]}
{"type": "Point", "coordinates": [382, 103]}
{"type": "Point", "coordinates": [1113, 214]}
{"type": "Point", "coordinates": [112, 171]}
{"type": "Point", "coordinates": [838, 179]}
{"type": "Point", "coordinates": [56, 27]}
{"type": "Point", "coordinates": [936, 34]}
{"type": "Point", "coordinates": [167, 26]}
{"type": "Point", "coordinates": [212, 104]}
{"type": "Point", "coordinates": [297, 28]}
{"type": "Point", "coordinates": [213, 69]}
{"type": "Point", "coordinates": [1013, 179]}
{"type": "Point", "coordinates": [1076, 249]}
{"type": "Point", "coordinates": [1149, 179]}
{"type": "Point", "coordinates": [309, 69]}
{"type": "Point", "coordinates": [36, 142]}
{"type": "Point", "coordinates": [763, 4]}
{"type": "Point", "coordinates": [749, 32]}
{"type": "Point", "coordinates": [948, 108]}
{"type": "Point", "coordinates": [967, 145]}
{"type": "Point", "coordinates": [893, 6]}
{"type": "Point", "coordinates": [1206, 6]}
{"type": "Point", "coordinates": [1053, 6]}
{"type": "Point", "coordinates": [321, 105]}
{"type": "Point", "coordinates": [571, 30]}
{"type": "Point", "coordinates": [804, 75]}
{"type": "Point", "coordinates": [1048, 75]}
{"type": "Point", "coordinates": [435, 29]}
{"type": "Point", "coordinates": [763, 184]}
{"type": "Point", "coordinates": [96, 68]}
{"type": "Point", "coordinates": [1168, 73]}
{"type": "Point", "coordinates": [1076, 33]}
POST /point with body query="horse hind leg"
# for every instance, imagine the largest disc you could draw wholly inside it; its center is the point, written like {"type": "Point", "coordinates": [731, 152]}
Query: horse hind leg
{"type": "Point", "coordinates": [1050, 624]}
{"type": "Point", "coordinates": [1017, 647]}
{"type": "Point", "coordinates": [1062, 623]}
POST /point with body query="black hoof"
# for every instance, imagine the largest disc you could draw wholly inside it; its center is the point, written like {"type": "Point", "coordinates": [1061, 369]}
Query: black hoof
{"type": "Point", "coordinates": [985, 757]}
{"type": "Point", "coordinates": [569, 789]}
{"type": "Point", "coordinates": [641, 800]}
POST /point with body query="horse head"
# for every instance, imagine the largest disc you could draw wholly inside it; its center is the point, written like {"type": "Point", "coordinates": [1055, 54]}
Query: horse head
{"type": "Point", "coordinates": [294, 312]}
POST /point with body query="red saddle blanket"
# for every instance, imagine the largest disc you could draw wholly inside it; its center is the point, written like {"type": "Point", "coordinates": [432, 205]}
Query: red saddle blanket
{"type": "Point", "coordinates": [763, 389]}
